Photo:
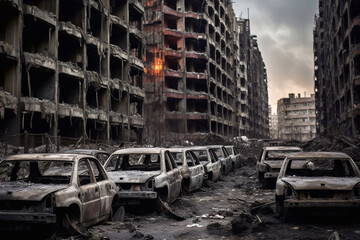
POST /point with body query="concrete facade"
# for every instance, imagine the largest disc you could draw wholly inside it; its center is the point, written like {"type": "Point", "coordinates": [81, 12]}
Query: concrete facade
{"type": "Point", "coordinates": [296, 118]}
{"type": "Point", "coordinates": [197, 79]}
{"type": "Point", "coordinates": [72, 69]}
{"type": "Point", "coordinates": [337, 67]}
{"type": "Point", "coordinates": [273, 124]}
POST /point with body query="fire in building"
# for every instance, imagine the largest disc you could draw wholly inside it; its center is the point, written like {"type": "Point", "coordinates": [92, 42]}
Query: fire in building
{"type": "Point", "coordinates": [72, 69]}
{"type": "Point", "coordinates": [141, 71]}
{"type": "Point", "coordinates": [204, 72]}
{"type": "Point", "coordinates": [296, 118]}
{"type": "Point", "coordinates": [337, 67]}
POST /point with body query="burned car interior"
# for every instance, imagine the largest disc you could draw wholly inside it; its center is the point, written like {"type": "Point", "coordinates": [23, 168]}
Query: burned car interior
{"type": "Point", "coordinates": [139, 162]}
{"type": "Point", "coordinates": [320, 168]}
{"type": "Point", "coordinates": [191, 158]}
{"type": "Point", "coordinates": [32, 171]}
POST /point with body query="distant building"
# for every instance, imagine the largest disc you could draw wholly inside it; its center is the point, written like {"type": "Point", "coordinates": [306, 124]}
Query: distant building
{"type": "Point", "coordinates": [273, 125]}
{"type": "Point", "coordinates": [296, 118]}
{"type": "Point", "coordinates": [337, 67]}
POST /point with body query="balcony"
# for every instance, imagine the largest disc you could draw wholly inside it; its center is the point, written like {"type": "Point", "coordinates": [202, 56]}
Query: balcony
{"type": "Point", "coordinates": [172, 53]}
{"type": "Point", "coordinates": [174, 73]}
{"type": "Point", "coordinates": [195, 75]}
{"type": "Point", "coordinates": [172, 12]}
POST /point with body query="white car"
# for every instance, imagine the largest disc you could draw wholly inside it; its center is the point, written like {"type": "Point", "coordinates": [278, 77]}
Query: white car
{"type": "Point", "coordinates": [270, 161]}
{"type": "Point", "coordinates": [209, 160]}
{"type": "Point", "coordinates": [317, 180]}
{"type": "Point", "coordinates": [145, 174]}
{"type": "Point", "coordinates": [227, 163]}
{"type": "Point", "coordinates": [69, 190]}
{"type": "Point", "coordinates": [192, 170]}
{"type": "Point", "coordinates": [235, 155]}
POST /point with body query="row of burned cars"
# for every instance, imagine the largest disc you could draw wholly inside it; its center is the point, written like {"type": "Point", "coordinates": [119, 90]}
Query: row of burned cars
{"type": "Point", "coordinates": [67, 192]}
{"type": "Point", "coordinates": [305, 181]}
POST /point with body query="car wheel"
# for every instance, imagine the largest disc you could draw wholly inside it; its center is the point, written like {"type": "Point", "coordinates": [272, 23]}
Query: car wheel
{"type": "Point", "coordinates": [72, 224]}
{"type": "Point", "coordinates": [281, 210]}
{"type": "Point", "coordinates": [117, 214]}
{"type": "Point", "coordinates": [262, 179]}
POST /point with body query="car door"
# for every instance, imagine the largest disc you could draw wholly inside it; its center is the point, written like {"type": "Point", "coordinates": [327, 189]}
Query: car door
{"type": "Point", "coordinates": [89, 191]}
{"type": "Point", "coordinates": [196, 170]}
{"type": "Point", "coordinates": [173, 175]}
{"type": "Point", "coordinates": [106, 195]}
{"type": "Point", "coordinates": [215, 162]}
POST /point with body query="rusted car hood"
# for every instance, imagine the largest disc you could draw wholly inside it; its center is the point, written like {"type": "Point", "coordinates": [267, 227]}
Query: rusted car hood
{"type": "Point", "coordinates": [324, 183]}
{"type": "Point", "coordinates": [27, 191]}
{"type": "Point", "coordinates": [132, 176]}
{"type": "Point", "coordinates": [274, 164]}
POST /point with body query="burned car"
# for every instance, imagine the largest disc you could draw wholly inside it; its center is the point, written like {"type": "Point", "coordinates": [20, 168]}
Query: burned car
{"type": "Point", "coordinates": [227, 163]}
{"type": "Point", "coordinates": [145, 174]}
{"type": "Point", "coordinates": [192, 171]}
{"type": "Point", "coordinates": [209, 160]}
{"type": "Point", "coordinates": [270, 161]}
{"type": "Point", "coordinates": [101, 155]}
{"type": "Point", "coordinates": [235, 155]}
{"type": "Point", "coordinates": [66, 190]}
{"type": "Point", "coordinates": [317, 180]}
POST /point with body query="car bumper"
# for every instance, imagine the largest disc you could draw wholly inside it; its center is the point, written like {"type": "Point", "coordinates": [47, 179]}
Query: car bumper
{"type": "Point", "coordinates": [31, 217]}
{"type": "Point", "coordinates": [271, 175]}
{"type": "Point", "coordinates": [137, 195]}
{"type": "Point", "coordinates": [291, 203]}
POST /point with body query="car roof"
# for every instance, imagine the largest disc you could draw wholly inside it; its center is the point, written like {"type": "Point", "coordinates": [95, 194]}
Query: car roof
{"type": "Point", "coordinates": [139, 150]}
{"type": "Point", "coordinates": [47, 156]}
{"type": "Point", "coordinates": [194, 148]}
{"type": "Point", "coordinates": [274, 148]}
{"type": "Point", "coordinates": [177, 149]}
{"type": "Point", "coordinates": [215, 146]}
{"type": "Point", "coordinates": [301, 155]}
{"type": "Point", "coordinates": [85, 151]}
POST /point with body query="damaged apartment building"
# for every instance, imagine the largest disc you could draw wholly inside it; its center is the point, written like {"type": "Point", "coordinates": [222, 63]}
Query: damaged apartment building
{"type": "Point", "coordinates": [337, 67]}
{"type": "Point", "coordinates": [72, 69]}
{"type": "Point", "coordinates": [197, 73]}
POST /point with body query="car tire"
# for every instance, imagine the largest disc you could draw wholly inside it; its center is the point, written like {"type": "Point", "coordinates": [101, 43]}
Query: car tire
{"type": "Point", "coordinates": [117, 214]}
{"type": "Point", "coordinates": [281, 209]}
{"type": "Point", "coordinates": [262, 179]}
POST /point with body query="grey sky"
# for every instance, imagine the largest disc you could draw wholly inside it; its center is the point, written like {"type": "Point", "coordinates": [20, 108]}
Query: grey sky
{"type": "Point", "coordinates": [284, 30]}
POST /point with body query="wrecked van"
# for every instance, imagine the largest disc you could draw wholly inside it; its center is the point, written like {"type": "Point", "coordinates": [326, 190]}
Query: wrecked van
{"type": "Point", "coordinates": [192, 170]}
{"type": "Point", "coordinates": [145, 174]}
{"type": "Point", "coordinates": [317, 180]}
{"type": "Point", "coordinates": [54, 190]}
{"type": "Point", "coordinates": [270, 161]}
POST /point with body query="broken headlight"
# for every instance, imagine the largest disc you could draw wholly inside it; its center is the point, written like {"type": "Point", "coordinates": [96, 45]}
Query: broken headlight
{"type": "Point", "coordinates": [356, 190]}
{"type": "Point", "coordinates": [150, 184]}
{"type": "Point", "coordinates": [289, 192]}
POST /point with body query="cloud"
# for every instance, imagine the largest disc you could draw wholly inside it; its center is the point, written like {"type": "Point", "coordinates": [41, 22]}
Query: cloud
{"type": "Point", "coordinates": [284, 30]}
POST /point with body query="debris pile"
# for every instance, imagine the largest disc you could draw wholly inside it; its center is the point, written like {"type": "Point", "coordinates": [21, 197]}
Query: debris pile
{"type": "Point", "coordinates": [350, 146]}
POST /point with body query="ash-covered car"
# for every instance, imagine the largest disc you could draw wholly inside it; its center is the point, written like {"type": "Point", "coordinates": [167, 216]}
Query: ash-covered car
{"type": "Point", "coordinates": [227, 163]}
{"type": "Point", "coordinates": [318, 180]}
{"type": "Point", "coordinates": [235, 155]}
{"type": "Point", "coordinates": [66, 191]}
{"type": "Point", "coordinates": [270, 161]}
{"type": "Point", "coordinates": [209, 160]}
{"type": "Point", "coordinates": [192, 170]}
{"type": "Point", "coordinates": [101, 155]}
{"type": "Point", "coordinates": [145, 174]}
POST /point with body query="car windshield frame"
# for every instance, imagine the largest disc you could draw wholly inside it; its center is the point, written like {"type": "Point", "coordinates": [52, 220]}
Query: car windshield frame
{"type": "Point", "coordinates": [316, 167]}
{"type": "Point", "coordinates": [37, 171]}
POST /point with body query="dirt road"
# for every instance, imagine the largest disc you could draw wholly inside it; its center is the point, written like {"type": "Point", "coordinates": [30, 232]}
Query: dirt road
{"type": "Point", "coordinates": [227, 210]}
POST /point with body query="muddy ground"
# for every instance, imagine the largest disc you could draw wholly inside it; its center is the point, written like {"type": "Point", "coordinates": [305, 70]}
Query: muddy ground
{"type": "Point", "coordinates": [227, 210]}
